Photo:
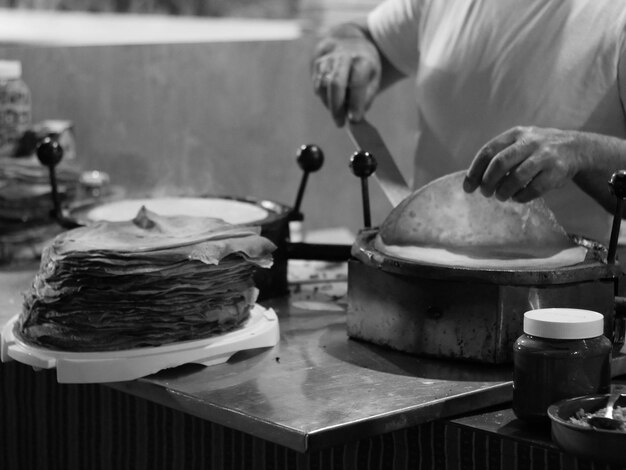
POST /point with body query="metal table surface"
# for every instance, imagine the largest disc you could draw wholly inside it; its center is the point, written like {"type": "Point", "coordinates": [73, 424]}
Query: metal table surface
{"type": "Point", "coordinates": [317, 387]}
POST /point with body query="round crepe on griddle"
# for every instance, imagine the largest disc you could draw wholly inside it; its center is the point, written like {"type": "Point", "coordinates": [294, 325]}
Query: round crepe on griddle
{"type": "Point", "coordinates": [442, 224]}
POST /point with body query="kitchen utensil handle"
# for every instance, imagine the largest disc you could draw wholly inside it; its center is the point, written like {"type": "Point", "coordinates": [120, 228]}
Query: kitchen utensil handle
{"type": "Point", "coordinates": [318, 251]}
{"type": "Point", "coordinates": [363, 165]}
{"type": "Point", "coordinates": [50, 153]}
{"type": "Point", "coordinates": [617, 186]}
{"type": "Point", "coordinates": [310, 159]}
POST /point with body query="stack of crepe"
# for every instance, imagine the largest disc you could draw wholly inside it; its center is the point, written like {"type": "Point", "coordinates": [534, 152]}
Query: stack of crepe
{"type": "Point", "coordinates": [442, 224]}
{"type": "Point", "coordinates": [148, 282]}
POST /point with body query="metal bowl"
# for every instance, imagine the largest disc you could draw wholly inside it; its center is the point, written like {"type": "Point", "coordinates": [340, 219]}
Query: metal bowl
{"type": "Point", "coordinates": [594, 444]}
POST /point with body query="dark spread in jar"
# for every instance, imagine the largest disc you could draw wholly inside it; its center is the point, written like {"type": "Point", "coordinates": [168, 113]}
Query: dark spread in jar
{"type": "Point", "coordinates": [562, 354]}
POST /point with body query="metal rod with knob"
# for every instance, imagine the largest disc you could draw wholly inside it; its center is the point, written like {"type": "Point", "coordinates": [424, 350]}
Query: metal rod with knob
{"type": "Point", "coordinates": [617, 186]}
{"type": "Point", "coordinates": [50, 153]}
{"type": "Point", "coordinates": [363, 164]}
{"type": "Point", "coordinates": [310, 159]}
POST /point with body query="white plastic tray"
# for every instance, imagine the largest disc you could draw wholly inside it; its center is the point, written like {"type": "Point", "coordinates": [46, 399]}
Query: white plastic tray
{"type": "Point", "coordinates": [260, 330]}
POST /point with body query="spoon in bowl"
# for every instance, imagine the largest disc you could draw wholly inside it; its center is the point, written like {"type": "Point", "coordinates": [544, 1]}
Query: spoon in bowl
{"type": "Point", "coordinates": [607, 421]}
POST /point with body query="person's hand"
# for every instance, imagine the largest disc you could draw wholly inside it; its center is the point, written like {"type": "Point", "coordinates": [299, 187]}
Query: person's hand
{"type": "Point", "coordinates": [346, 72]}
{"type": "Point", "coordinates": [525, 162]}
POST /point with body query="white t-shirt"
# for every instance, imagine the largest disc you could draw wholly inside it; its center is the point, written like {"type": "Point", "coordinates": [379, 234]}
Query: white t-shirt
{"type": "Point", "coordinates": [484, 66]}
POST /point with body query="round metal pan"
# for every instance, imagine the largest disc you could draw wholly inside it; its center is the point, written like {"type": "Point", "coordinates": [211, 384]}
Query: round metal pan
{"type": "Point", "coordinates": [594, 267]}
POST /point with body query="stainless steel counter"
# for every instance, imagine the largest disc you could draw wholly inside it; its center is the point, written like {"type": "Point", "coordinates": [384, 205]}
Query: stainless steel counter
{"type": "Point", "coordinates": [317, 387]}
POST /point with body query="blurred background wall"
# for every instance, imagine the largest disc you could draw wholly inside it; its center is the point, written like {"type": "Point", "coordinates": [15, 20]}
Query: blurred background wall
{"type": "Point", "coordinates": [222, 8]}
{"type": "Point", "coordinates": [209, 8]}
{"type": "Point", "coordinates": [191, 105]}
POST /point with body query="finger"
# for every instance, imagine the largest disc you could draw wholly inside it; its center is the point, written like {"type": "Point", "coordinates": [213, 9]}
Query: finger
{"type": "Point", "coordinates": [322, 82]}
{"type": "Point", "coordinates": [318, 87]}
{"type": "Point", "coordinates": [337, 86]}
{"type": "Point", "coordinates": [482, 159]}
{"type": "Point", "coordinates": [321, 69]}
{"type": "Point", "coordinates": [518, 178]}
{"type": "Point", "coordinates": [362, 82]}
{"type": "Point", "coordinates": [502, 164]}
{"type": "Point", "coordinates": [536, 188]}
{"type": "Point", "coordinates": [356, 102]}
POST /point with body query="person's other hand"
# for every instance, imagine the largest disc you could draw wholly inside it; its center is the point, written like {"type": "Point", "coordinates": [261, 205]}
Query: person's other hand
{"type": "Point", "coordinates": [525, 162]}
{"type": "Point", "coordinates": [346, 72]}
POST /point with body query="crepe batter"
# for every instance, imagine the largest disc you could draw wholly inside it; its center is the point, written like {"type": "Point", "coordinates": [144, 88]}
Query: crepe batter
{"type": "Point", "coordinates": [446, 257]}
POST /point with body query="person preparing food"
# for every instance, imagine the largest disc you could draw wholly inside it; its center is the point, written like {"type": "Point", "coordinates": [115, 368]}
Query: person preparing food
{"type": "Point", "coordinates": [527, 96]}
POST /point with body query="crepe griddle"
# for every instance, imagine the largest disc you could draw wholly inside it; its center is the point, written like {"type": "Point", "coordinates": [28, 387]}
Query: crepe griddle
{"type": "Point", "coordinates": [467, 313]}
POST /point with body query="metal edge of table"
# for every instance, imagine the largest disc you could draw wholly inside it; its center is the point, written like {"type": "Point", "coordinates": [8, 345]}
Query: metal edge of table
{"type": "Point", "coordinates": [310, 439]}
{"type": "Point", "coordinates": [377, 425]}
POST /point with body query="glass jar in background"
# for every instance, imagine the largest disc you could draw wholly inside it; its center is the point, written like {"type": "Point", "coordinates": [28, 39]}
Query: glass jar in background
{"type": "Point", "coordinates": [93, 184]}
{"type": "Point", "coordinates": [15, 106]}
{"type": "Point", "coordinates": [563, 353]}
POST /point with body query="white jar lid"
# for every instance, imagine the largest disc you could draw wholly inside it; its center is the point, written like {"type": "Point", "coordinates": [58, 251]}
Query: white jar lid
{"type": "Point", "coordinates": [563, 323]}
{"type": "Point", "coordinates": [10, 69]}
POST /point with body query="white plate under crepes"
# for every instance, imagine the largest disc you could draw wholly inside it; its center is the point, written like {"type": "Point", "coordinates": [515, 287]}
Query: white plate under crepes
{"type": "Point", "coordinates": [260, 330]}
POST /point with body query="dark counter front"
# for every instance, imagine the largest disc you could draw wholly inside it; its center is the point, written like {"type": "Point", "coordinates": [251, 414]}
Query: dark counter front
{"type": "Point", "coordinates": [316, 400]}
{"type": "Point", "coordinates": [51, 426]}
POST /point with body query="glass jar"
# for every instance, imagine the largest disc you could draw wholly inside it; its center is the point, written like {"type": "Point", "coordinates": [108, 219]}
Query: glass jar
{"type": "Point", "coordinates": [93, 184]}
{"type": "Point", "coordinates": [15, 106]}
{"type": "Point", "coordinates": [562, 354]}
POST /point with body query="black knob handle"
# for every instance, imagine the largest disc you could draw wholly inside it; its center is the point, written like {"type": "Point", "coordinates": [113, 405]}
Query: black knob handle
{"type": "Point", "coordinates": [49, 152]}
{"type": "Point", "coordinates": [310, 158]}
{"type": "Point", "coordinates": [363, 164]}
{"type": "Point", "coordinates": [617, 186]}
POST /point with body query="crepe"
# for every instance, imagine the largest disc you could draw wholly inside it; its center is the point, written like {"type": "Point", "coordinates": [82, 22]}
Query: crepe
{"type": "Point", "coordinates": [442, 224]}
{"type": "Point", "coordinates": [143, 283]}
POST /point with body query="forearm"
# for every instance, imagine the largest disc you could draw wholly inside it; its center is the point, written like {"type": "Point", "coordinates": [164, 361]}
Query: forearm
{"type": "Point", "coordinates": [601, 156]}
